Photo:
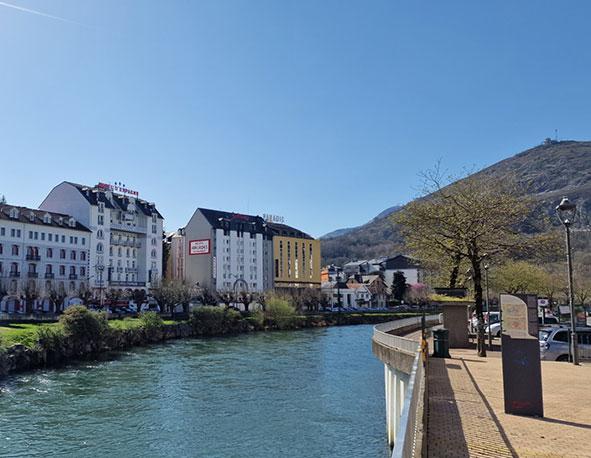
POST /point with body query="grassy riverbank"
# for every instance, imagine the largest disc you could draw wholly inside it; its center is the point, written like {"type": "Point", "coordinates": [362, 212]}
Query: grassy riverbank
{"type": "Point", "coordinates": [82, 334]}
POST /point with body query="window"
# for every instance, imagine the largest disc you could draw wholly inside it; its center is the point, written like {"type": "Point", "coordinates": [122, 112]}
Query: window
{"type": "Point", "coordinates": [15, 250]}
{"type": "Point", "coordinates": [47, 218]}
{"type": "Point", "coordinates": [99, 247]}
{"type": "Point", "coordinates": [30, 234]}
{"type": "Point", "coordinates": [71, 240]}
{"type": "Point", "coordinates": [18, 233]}
{"type": "Point", "coordinates": [32, 268]}
{"type": "Point", "coordinates": [48, 269]}
{"type": "Point", "coordinates": [82, 271]}
{"type": "Point", "coordinates": [2, 231]}
{"type": "Point", "coordinates": [42, 235]}
{"type": "Point", "coordinates": [154, 242]}
{"type": "Point", "coordinates": [72, 222]}
{"type": "Point", "coordinates": [1, 250]}
{"type": "Point", "coordinates": [153, 228]}
{"type": "Point", "coordinates": [50, 237]}
{"type": "Point", "coordinates": [14, 213]}
{"type": "Point", "coordinates": [63, 239]}
{"type": "Point", "coordinates": [100, 220]}
{"type": "Point", "coordinates": [561, 336]}
{"type": "Point", "coordinates": [83, 240]}
{"type": "Point", "coordinates": [72, 270]}
{"type": "Point", "coordinates": [73, 255]}
{"type": "Point", "coordinates": [62, 270]}
{"type": "Point", "coordinates": [101, 207]}
{"type": "Point", "coordinates": [49, 253]}
{"type": "Point", "coordinates": [153, 253]}
{"type": "Point", "coordinates": [99, 234]}
{"type": "Point", "coordinates": [119, 251]}
{"type": "Point", "coordinates": [62, 254]}
{"type": "Point", "coordinates": [127, 252]}
{"type": "Point", "coordinates": [110, 251]}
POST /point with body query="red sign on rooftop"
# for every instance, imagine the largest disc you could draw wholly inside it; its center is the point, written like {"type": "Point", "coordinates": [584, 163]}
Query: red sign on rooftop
{"type": "Point", "coordinates": [117, 187]}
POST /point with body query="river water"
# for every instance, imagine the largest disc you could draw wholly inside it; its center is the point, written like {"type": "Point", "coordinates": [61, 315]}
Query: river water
{"type": "Point", "coordinates": [309, 393]}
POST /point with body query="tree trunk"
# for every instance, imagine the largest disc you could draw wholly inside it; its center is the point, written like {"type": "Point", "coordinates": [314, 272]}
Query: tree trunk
{"type": "Point", "coordinates": [453, 279]}
{"type": "Point", "coordinates": [477, 278]}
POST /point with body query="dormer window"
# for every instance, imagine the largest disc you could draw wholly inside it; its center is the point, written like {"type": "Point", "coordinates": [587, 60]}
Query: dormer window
{"type": "Point", "coordinates": [47, 218]}
{"type": "Point", "coordinates": [72, 222]}
{"type": "Point", "coordinates": [31, 216]}
{"type": "Point", "coordinates": [60, 221]}
{"type": "Point", "coordinates": [14, 213]}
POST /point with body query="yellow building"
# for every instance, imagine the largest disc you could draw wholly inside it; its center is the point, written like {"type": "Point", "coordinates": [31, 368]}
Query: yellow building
{"type": "Point", "coordinates": [296, 258]}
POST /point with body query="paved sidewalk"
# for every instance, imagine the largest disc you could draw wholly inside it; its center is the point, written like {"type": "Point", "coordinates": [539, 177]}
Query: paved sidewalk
{"type": "Point", "coordinates": [466, 411]}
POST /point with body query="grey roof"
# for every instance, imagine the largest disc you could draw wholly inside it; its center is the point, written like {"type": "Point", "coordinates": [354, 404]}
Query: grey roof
{"type": "Point", "coordinates": [234, 221]}
{"type": "Point", "coordinates": [287, 231]}
{"type": "Point", "coordinates": [24, 216]}
{"type": "Point", "coordinates": [119, 201]}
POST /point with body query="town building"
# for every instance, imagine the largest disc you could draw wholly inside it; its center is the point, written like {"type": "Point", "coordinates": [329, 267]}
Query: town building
{"type": "Point", "coordinates": [410, 267]}
{"type": "Point", "coordinates": [330, 273]}
{"type": "Point", "coordinates": [296, 258]}
{"type": "Point", "coordinates": [126, 233]}
{"type": "Point", "coordinates": [225, 252]}
{"type": "Point", "coordinates": [44, 259]}
{"type": "Point", "coordinates": [378, 289]}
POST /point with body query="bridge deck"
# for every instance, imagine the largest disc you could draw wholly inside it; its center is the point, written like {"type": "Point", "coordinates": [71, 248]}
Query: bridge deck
{"type": "Point", "coordinates": [466, 412]}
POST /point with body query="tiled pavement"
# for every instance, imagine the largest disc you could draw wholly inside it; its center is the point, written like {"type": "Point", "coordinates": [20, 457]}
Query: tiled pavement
{"type": "Point", "coordinates": [466, 411]}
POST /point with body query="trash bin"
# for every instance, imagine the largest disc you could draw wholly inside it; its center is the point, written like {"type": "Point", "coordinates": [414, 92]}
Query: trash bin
{"type": "Point", "coordinates": [441, 343]}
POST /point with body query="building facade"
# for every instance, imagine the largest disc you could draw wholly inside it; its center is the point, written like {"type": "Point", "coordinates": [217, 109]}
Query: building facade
{"type": "Point", "coordinates": [126, 233]}
{"type": "Point", "coordinates": [226, 251]}
{"type": "Point", "coordinates": [408, 266]}
{"type": "Point", "coordinates": [296, 258]}
{"type": "Point", "coordinates": [43, 255]}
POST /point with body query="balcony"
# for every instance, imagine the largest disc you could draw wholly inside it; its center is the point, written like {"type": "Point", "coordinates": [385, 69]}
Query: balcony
{"type": "Point", "coordinates": [33, 257]}
{"type": "Point", "coordinates": [13, 274]}
{"type": "Point", "coordinates": [128, 283]}
{"type": "Point", "coordinates": [33, 274]}
{"type": "Point", "coordinates": [73, 276]}
{"type": "Point", "coordinates": [49, 275]}
{"type": "Point", "coordinates": [128, 228]}
{"type": "Point", "coordinates": [130, 270]}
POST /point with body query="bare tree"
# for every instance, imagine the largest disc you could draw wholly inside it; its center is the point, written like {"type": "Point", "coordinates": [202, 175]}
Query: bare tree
{"type": "Point", "coordinates": [473, 218]}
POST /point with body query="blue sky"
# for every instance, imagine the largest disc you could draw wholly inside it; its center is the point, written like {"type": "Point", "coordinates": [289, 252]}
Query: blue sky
{"type": "Point", "coordinates": [321, 111]}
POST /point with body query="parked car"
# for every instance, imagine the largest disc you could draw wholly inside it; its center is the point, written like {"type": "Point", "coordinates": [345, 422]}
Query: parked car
{"type": "Point", "coordinates": [554, 343]}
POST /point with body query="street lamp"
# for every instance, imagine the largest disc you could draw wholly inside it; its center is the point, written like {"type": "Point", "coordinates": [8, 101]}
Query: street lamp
{"type": "Point", "coordinates": [488, 307]}
{"type": "Point", "coordinates": [566, 211]}
{"type": "Point", "coordinates": [100, 269]}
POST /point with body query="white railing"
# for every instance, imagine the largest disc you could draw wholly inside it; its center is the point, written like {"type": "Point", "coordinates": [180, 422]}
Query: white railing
{"type": "Point", "coordinates": [409, 426]}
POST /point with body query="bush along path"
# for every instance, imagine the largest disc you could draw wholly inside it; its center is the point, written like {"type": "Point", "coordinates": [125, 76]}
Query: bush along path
{"type": "Point", "coordinates": [82, 334]}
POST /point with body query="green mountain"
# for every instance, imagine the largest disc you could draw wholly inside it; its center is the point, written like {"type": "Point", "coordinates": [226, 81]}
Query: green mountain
{"type": "Point", "coordinates": [548, 172]}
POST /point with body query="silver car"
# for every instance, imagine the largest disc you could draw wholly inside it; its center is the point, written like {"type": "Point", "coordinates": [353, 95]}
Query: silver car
{"type": "Point", "coordinates": [554, 343]}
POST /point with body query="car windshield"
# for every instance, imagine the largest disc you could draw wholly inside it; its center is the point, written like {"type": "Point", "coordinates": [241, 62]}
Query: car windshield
{"type": "Point", "coordinates": [544, 335]}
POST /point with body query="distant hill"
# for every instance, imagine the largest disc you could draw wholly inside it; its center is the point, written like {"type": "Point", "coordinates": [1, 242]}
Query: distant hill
{"type": "Point", "coordinates": [547, 171]}
{"type": "Point", "coordinates": [345, 231]}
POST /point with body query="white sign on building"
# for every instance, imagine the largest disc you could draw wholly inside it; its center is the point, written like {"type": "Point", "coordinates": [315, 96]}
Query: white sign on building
{"type": "Point", "coordinates": [199, 247]}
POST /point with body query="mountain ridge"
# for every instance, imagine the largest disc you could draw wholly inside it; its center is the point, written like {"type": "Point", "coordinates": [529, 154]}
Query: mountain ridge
{"type": "Point", "coordinates": [548, 172]}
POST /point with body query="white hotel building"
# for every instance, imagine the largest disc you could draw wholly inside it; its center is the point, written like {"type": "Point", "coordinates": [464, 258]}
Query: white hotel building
{"type": "Point", "coordinates": [126, 241]}
{"type": "Point", "coordinates": [221, 251]}
{"type": "Point", "coordinates": [41, 253]}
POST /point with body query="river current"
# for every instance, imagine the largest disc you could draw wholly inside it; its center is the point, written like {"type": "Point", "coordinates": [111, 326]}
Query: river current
{"type": "Point", "coordinates": [309, 393]}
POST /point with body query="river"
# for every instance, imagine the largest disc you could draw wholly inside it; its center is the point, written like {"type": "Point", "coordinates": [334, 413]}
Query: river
{"type": "Point", "coordinates": [309, 393]}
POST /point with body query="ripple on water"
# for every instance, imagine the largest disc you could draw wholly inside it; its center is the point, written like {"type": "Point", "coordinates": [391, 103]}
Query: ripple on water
{"type": "Point", "coordinates": [302, 394]}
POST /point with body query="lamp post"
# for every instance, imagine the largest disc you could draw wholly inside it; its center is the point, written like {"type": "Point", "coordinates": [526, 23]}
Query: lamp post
{"type": "Point", "coordinates": [566, 211]}
{"type": "Point", "coordinates": [100, 269]}
{"type": "Point", "coordinates": [488, 306]}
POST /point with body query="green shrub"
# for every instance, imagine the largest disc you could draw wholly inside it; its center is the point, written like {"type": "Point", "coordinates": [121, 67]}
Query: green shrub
{"type": "Point", "coordinates": [81, 324]}
{"type": "Point", "coordinates": [150, 320]}
{"type": "Point", "coordinates": [50, 337]}
{"type": "Point", "coordinates": [256, 319]}
{"type": "Point", "coordinates": [208, 320]}
{"type": "Point", "coordinates": [280, 313]}
{"type": "Point", "coordinates": [212, 320]}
